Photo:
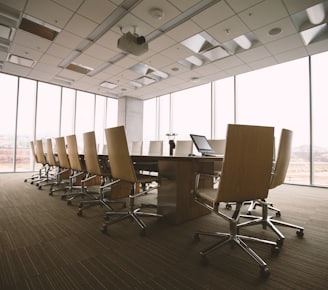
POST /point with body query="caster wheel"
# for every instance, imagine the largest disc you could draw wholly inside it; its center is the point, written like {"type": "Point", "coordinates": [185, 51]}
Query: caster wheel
{"type": "Point", "coordinates": [249, 213]}
{"type": "Point", "coordinates": [280, 243]}
{"type": "Point", "coordinates": [69, 202]}
{"type": "Point", "coordinates": [275, 250]}
{"type": "Point", "coordinates": [40, 187]}
{"type": "Point", "coordinates": [278, 214]}
{"type": "Point", "coordinates": [31, 182]}
{"type": "Point", "coordinates": [228, 206]}
{"type": "Point", "coordinates": [265, 272]}
{"type": "Point", "coordinates": [50, 193]}
{"type": "Point", "coordinates": [196, 238]}
{"type": "Point", "coordinates": [62, 197]}
{"type": "Point", "coordinates": [104, 229]}
{"type": "Point", "coordinates": [79, 213]}
{"type": "Point", "coordinates": [25, 180]}
{"type": "Point", "coordinates": [300, 233]}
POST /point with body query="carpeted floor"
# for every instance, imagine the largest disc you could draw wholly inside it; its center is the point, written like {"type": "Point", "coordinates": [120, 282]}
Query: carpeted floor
{"type": "Point", "coordinates": [45, 245]}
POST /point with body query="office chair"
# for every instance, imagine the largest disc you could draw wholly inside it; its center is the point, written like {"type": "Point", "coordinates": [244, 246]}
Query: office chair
{"type": "Point", "coordinates": [245, 176]}
{"type": "Point", "coordinates": [45, 177]}
{"type": "Point", "coordinates": [77, 171]}
{"type": "Point", "coordinates": [35, 176]}
{"type": "Point", "coordinates": [277, 178]}
{"type": "Point", "coordinates": [98, 171]}
{"type": "Point", "coordinates": [183, 147]}
{"type": "Point", "coordinates": [122, 169]}
{"type": "Point", "coordinates": [136, 148]}
{"type": "Point", "coordinates": [64, 167]}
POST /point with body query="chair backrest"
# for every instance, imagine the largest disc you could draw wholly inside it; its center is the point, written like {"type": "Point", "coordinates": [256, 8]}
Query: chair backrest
{"type": "Point", "coordinates": [61, 153]}
{"type": "Point", "coordinates": [118, 153]}
{"type": "Point", "coordinates": [136, 148]}
{"type": "Point", "coordinates": [218, 145]}
{"type": "Point", "coordinates": [183, 147]}
{"type": "Point", "coordinates": [91, 154]}
{"type": "Point", "coordinates": [72, 152]}
{"type": "Point", "coordinates": [247, 163]}
{"type": "Point", "coordinates": [50, 153]}
{"type": "Point", "coordinates": [33, 152]}
{"type": "Point", "coordinates": [155, 148]}
{"type": "Point", "coordinates": [40, 152]}
{"type": "Point", "coordinates": [283, 158]}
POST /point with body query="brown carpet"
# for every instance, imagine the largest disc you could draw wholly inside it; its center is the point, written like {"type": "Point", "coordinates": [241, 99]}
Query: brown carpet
{"type": "Point", "coordinates": [45, 245]}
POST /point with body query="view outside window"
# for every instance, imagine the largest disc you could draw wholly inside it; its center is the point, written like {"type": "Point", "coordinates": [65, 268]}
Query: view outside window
{"type": "Point", "coordinates": [8, 100]}
{"type": "Point", "coordinates": [149, 122]}
{"type": "Point", "coordinates": [85, 112]}
{"type": "Point", "coordinates": [67, 112]}
{"type": "Point", "coordinates": [191, 112]}
{"type": "Point", "coordinates": [164, 119]}
{"type": "Point", "coordinates": [111, 113]}
{"type": "Point", "coordinates": [320, 118]}
{"type": "Point", "coordinates": [25, 124]}
{"type": "Point", "coordinates": [48, 111]}
{"type": "Point", "coordinates": [278, 96]}
{"type": "Point", "coordinates": [223, 112]}
{"type": "Point", "coordinates": [100, 121]}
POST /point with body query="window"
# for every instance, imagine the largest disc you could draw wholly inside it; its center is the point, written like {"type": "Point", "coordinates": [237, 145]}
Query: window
{"type": "Point", "coordinates": [8, 100]}
{"type": "Point", "coordinates": [100, 122]}
{"type": "Point", "coordinates": [25, 124]}
{"type": "Point", "coordinates": [67, 112]}
{"type": "Point", "coordinates": [278, 96]}
{"type": "Point", "coordinates": [320, 119]}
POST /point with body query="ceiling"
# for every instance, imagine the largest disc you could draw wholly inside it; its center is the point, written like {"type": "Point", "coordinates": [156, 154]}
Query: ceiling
{"type": "Point", "coordinates": [190, 42]}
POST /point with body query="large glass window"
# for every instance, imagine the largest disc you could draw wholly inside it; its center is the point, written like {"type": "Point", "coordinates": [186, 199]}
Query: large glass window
{"type": "Point", "coordinates": [224, 104]}
{"type": "Point", "coordinates": [67, 112]}
{"type": "Point", "coordinates": [48, 110]}
{"type": "Point", "coordinates": [278, 96]}
{"type": "Point", "coordinates": [100, 121]}
{"type": "Point", "coordinates": [320, 119]}
{"type": "Point", "coordinates": [8, 100]}
{"type": "Point", "coordinates": [25, 124]}
{"type": "Point", "coordinates": [191, 112]}
{"type": "Point", "coordinates": [85, 114]}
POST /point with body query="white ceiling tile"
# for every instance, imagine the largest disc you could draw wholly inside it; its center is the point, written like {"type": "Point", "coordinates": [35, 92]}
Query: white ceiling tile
{"type": "Point", "coordinates": [264, 62]}
{"type": "Point", "coordinates": [254, 54]}
{"type": "Point", "coordinates": [177, 52]}
{"type": "Point", "coordinates": [80, 26]}
{"type": "Point", "coordinates": [317, 47]}
{"type": "Point", "coordinates": [287, 28]}
{"type": "Point", "coordinates": [228, 29]}
{"type": "Point", "coordinates": [161, 43]}
{"type": "Point", "coordinates": [213, 15]}
{"type": "Point", "coordinates": [71, 4]}
{"type": "Point", "coordinates": [228, 62]}
{"type": "Point", "coordinates": [263, 13]}
{"type": "Point", "coordinates": [142, 12]}
{"type": "Point", "coordinates": [109, 40]}
{"type": "Point", "coordinates": [49, 12]}
{"type": "Point", "coordinates": [32, 41]}
{"type": "Point", "coordinates": [96, 10]}
{"type": "Point", "coordinates": [299, 5]}
{"type": "Point", "coordinates": [87, 61]}
{"type": "Point", "coordinates": [99, 52]}
{"type": "Point", "coordinates": [58, 50]}
{"type": "Point", "coordinates": [159, 61]}
{"type": "Point", "coordinates": [25, 51]}
{"type": "Point", "coordinates": [291, 54]}
{"type": "Point", "coordinates": [239, 6]}
{"type": "Point", "coordinates": [284, 44]}
{"type": "Point", "coordinates": [68, 39]}
{"type": "Point", "coordinates": [183, 31]}
{"type": "Point", "coordinates": [184, 4]}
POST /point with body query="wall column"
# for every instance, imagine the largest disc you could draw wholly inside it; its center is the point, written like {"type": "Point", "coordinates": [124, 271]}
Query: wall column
{"type": "Point", "coordinates": [130, 114]}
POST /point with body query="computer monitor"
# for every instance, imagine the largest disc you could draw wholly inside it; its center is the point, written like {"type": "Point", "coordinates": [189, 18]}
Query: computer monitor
{"type": "Point", "coordinates": [202, 144]}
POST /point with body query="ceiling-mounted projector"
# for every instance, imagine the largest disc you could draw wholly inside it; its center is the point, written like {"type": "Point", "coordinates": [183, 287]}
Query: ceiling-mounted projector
{"type": "Point", "coordinates": [132, 43]}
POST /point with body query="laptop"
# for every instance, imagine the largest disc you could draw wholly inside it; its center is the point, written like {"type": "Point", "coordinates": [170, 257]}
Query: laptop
{"type": "Point", "coordinates": [202, 145]}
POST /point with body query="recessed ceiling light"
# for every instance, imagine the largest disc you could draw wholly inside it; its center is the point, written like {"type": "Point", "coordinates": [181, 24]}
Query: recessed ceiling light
{"type": "Point", "coordinates": [275, 31]}
{"type": "Point", "coordinates": [174, 69]}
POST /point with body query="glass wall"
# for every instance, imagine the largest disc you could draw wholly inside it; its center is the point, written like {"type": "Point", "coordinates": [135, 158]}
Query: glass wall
{"type": "Point", "coordinates": [320, 119]}
{"type": "Point", "coordinates": [291, 95]}
{"type": "Point", "coordinates": [268, 97]}
{"type": "Point", "coordinates": [8, 100]}
{"type": "Point", "coordinates": [33, 110]}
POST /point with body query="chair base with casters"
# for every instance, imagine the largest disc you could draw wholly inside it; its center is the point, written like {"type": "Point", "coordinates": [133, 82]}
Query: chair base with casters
{"type": "Point", "coordinates": [268, 221]}
{"type": "Point", "coordinates": [101, 200]}
{"type": "Point", "coordinates": [235, 239]}
{"type": "Point", "coordinates": [133, 213]}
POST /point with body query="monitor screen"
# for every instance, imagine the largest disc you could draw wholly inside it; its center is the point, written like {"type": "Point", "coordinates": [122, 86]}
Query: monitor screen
{"type": "Point", "coordinates": [201, 144]}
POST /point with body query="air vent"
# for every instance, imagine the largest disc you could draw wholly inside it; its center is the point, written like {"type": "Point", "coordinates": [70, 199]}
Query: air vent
{"type": "Point", "coordinates": [79, 68]}
{"type": "Point", "coordinates": [39, 28]}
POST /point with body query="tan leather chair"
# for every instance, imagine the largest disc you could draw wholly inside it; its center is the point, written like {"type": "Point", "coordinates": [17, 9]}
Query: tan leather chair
{"type": "Point", "coordinates": [136, 148]}
{"type": "Point", "coordinates": [35, 176]}
{"type": "Point", "coordinates": [99, 174]}
{"type": "Point", "coordinates": [245, 176]}
{"type": "Point", "coordinates": [183, 147]}
{"type": "Point", "coordinates": [122, 169]}
{"type": "Point", "coordinates": [77, 171]}
{"type": "Point", "coordinates": [45, 177]}
{"type": "Point", "coordinates": [278, 178]}
{"type": "Point", "coordinates": [64, 166]}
